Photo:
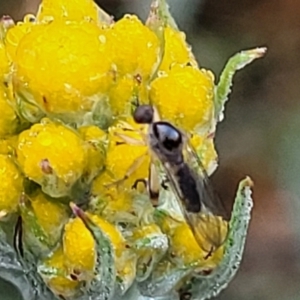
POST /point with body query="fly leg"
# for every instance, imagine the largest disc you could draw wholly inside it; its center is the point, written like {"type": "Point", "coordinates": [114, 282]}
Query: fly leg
{"type": "Point", "coordinates": [129, 140]}
{"type": "Point", "coordinates": [125, 139]}
{"type": "Point", "coordinates": [141, 180]}
{"type": "Point", "coordinates": [152, 185]}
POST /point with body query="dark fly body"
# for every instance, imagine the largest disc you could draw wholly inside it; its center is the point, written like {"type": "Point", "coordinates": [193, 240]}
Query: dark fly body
{"type": "Point", "coordinates": [167, 144]}
{"type": "Point", "coordinates": [197, 201]}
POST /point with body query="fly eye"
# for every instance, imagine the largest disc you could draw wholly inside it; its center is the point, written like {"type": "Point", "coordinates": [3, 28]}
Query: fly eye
{"type": "Point", "coordinates": [168, 135]}
{"type": "Point", "coordinates": [143, 114]}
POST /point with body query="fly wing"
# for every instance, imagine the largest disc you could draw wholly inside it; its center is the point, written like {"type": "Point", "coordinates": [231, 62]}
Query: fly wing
{"type": "Point", "coordinates": [206, 223]}
{"type": "Point", "coordinates": [210, 231]}
{"type": "Point", "coordinates": [209, 225]}
{"type": "Point", "coordinates": [209, 197]}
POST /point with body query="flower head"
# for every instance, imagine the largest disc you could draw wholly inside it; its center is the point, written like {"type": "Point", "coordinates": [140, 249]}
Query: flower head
{"type": "Point", "coordinates": [113, 206]}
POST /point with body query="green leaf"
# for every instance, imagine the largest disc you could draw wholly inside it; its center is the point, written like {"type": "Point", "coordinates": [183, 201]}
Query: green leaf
{"type": "Point", "coordinates": [22, 272]}
{"type": "Point", "coordinates": [135, 294]}
{"type": "Point", "coordinates": [11, 269]}
{"type": "Point", "coordinates": [160, 14]}
{"type": "Point", "coordinates": [235, 63]}
{"type": "Point", "coordinates": [151, 248]}
{"type": "Point", "coordinates": [162, 285]}
{"type": "Point", "coordinates": [36, 238]}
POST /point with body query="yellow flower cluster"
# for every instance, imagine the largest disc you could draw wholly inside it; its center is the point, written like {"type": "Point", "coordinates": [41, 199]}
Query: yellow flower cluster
{"type": "Point", "coordinates": [67, 62]}
{"type": "Point", "coordinates": [70, 79]}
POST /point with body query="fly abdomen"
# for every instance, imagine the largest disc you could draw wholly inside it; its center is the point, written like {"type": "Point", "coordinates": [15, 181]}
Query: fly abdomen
{"type": "Point", "coordinates": [188, 186]}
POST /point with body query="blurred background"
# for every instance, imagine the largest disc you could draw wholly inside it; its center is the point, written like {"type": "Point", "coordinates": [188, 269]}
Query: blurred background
{"type": "Point", "coordinates": [260, 135]}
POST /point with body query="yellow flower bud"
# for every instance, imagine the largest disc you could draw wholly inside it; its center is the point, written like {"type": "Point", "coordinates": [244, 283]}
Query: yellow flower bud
{"type": "Point", "coordinates": [14, 36]}
{"type": "Point", "coordinates": [184, 96]}
{"type": "Point", "coordinates": [75, 10]}
{"type": "Point", "coordinates": [127, 153]}
{"type": "Point", "coordinates": [11, 184]}
{"type": "Point", "coordinates": [9, 120]}
{"type": "Point", "coordinates": [79, 245]}
{"type": "Point", "coordinates": [50, 214]}
{"type": "Point", "coordinates": [60, 284]}
{"type": "Point", "coordinates": [176, 50]}
{"type": "Point", "coordinates": [63, 67]}
{"type": "Point", "coordinates": [134, 47]}
{"type": "Point", "coordinates": [52, 155]}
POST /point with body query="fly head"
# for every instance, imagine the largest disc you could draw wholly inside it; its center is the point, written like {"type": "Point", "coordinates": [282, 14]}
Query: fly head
{"type": "Point", "coordinates": [143, 114]}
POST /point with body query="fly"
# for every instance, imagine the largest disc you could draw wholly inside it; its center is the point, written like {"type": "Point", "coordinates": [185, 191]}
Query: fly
{"type": "Point", "coordinates": [187, 177]}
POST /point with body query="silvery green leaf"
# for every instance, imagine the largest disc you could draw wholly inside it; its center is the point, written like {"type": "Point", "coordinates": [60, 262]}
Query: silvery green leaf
{"type": "Point", "coordinates": [156, 246]}
{"type": "Point", "coordinates": [100, 114]}
{"type": "Point", "coordinates": [125, 280]}
{"type": "Point", "coordinates": [211, 285]}
{"type": "Point", "coordinates": [160, 11]}
{"type": "Point", "coordinates": [235, 63]}
{"type": "Point", "coordinates": [11, 269]}
{"type": "Point", "coordinates": [21, 272]}
{"type": "Point", "coordinates": [102, 287]}
{"type": "Point", "coordinates": [36, 236]}
{"type": "Point", "coordinates": [156, 22]}
{"type": "Point", "coordinates": [162, 281]}
{"type": "Point", "coordinates": [161, 286]}
{"type": "Point", "coordinates": [26, 107]}
{"type": "Point", "coordinates": [134, 294]}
